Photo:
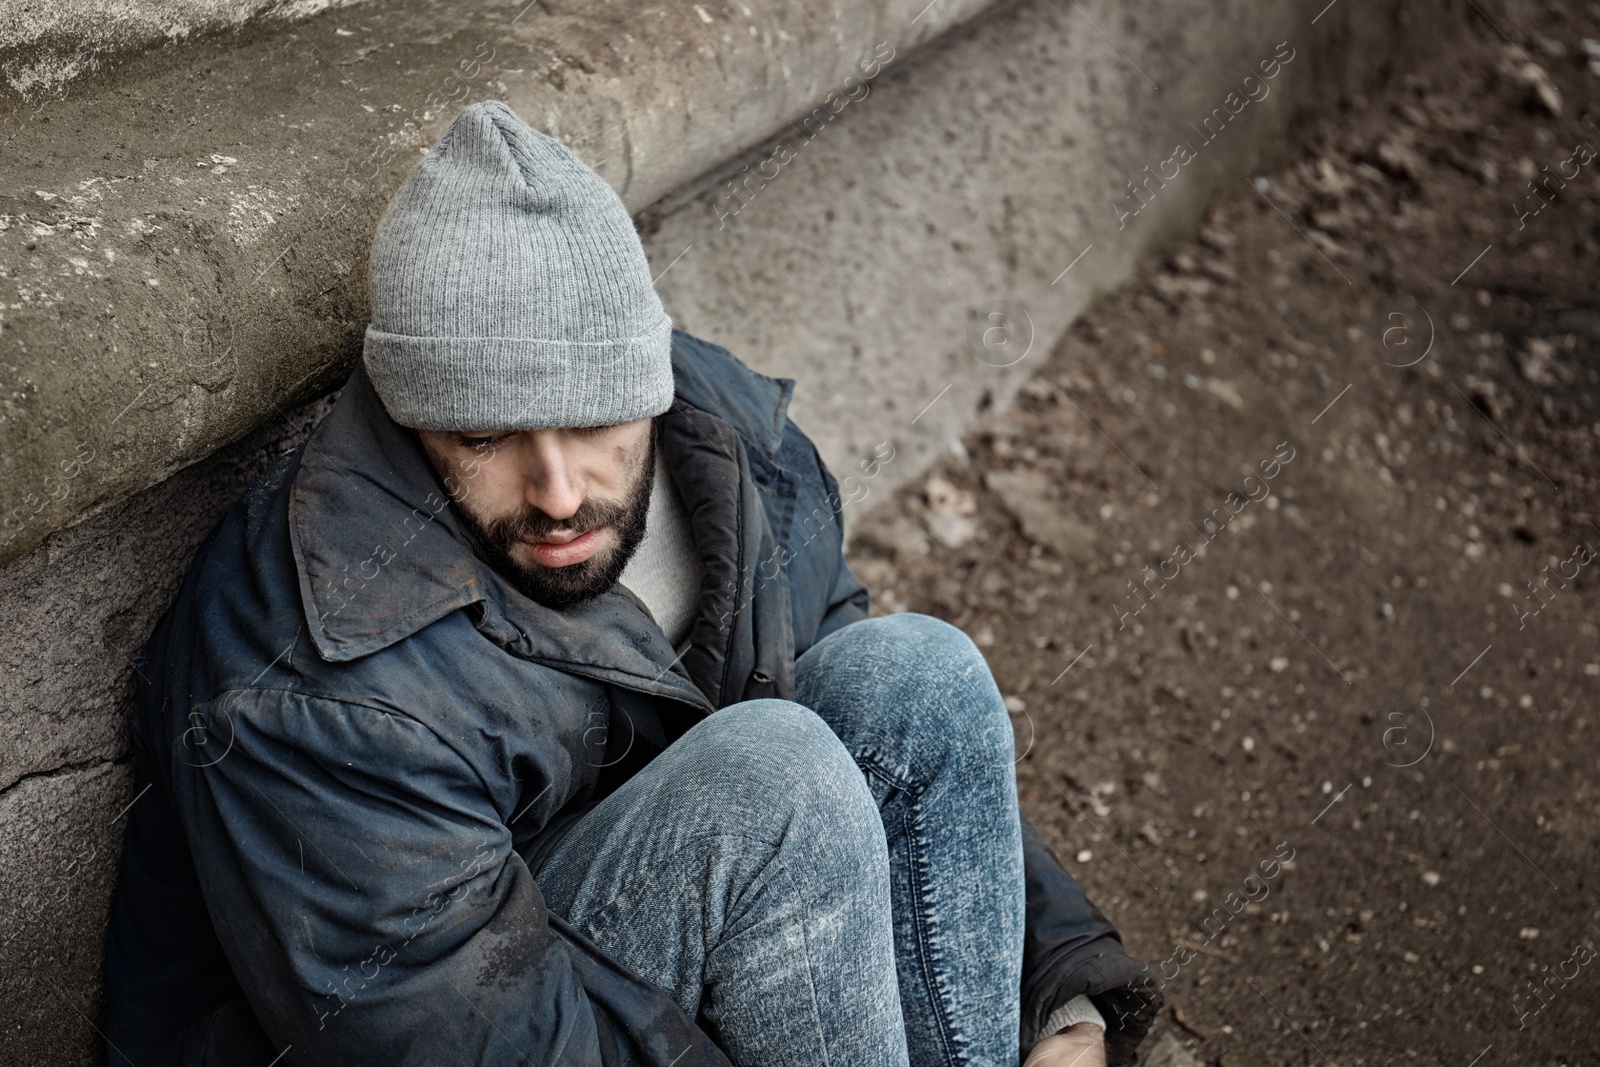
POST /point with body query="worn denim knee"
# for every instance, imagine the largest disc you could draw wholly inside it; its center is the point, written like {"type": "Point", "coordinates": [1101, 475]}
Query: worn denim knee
{"type": "Point", "coordinates": [936, 698]}
{"type": "Point", "coordinates": [770, 768]}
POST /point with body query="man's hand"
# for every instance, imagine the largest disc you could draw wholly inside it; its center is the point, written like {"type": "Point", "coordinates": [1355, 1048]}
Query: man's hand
{"type": "Point", "coordinates": [1080, 1045]}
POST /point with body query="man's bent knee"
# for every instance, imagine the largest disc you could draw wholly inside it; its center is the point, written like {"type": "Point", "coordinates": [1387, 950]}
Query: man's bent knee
{"type": "Point", "coordinates": [919, 667]}
{"type": "Point", "coordinates": [769, 764]}
{"type": "Point", "coordinates": [914, 639]}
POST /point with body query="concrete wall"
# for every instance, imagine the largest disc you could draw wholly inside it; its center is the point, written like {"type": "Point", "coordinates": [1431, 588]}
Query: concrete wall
{"type": "Point", "coordinates": [922, 242]}
{"type": "Point", "coordinates": [864, 258]}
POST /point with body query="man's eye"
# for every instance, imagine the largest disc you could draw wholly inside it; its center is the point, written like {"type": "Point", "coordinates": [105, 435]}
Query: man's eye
{"type": "Point", "coordinates": [592, 431]}
{"type": "Point", "coordinates": [480, 444]}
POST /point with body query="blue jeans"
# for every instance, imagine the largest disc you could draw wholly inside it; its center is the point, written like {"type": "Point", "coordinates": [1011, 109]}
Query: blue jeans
{"type": "Point", "coordinates": [835, 880]}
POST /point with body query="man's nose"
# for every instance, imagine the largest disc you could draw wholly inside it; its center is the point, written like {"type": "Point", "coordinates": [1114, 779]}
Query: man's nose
{"type": "Point", "coordinates": [552, 484]}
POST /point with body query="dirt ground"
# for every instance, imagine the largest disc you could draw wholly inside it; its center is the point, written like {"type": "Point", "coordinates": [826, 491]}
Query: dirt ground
{"type": "Point", "coordinates": [1384, 663]}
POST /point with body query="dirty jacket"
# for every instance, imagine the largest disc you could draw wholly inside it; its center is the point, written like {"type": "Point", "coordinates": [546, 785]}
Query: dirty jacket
{"type": "Point", "coordinates": [356, 740]}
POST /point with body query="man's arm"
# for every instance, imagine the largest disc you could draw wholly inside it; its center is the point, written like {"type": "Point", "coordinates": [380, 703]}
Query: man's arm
{"type": "Point", "coordinates": [364, 888]}
{"type": "Point", "coordinates": [848, 600]}
{"type": "Point", "coordinates": [1070, 948]}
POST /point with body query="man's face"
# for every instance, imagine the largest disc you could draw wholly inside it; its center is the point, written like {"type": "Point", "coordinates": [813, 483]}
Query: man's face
{"type": "Point", "coordinates": [558, 513]}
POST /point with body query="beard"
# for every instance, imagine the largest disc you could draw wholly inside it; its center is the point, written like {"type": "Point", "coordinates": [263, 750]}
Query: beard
{"type": "Point", "coordinates": [560, 587]}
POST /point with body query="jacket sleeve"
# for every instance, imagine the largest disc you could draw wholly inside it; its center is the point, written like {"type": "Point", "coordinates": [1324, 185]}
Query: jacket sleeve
{"type": "Point", "coordinates": [847, 601]}
{"type": "Point", "coordinates": [847, 597]}
{"type": "Point", "coordinates": [1069, 948]}
{"type": "Point", "coordinates": [365, 890]}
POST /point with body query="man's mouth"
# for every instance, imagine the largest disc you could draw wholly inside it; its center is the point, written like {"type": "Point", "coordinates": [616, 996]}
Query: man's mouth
{"type": "Point", "coordinates": [564, 548]}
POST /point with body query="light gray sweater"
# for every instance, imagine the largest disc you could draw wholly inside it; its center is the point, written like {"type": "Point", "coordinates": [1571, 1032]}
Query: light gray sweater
{"type": "Point", "coordinates": [665, 572]}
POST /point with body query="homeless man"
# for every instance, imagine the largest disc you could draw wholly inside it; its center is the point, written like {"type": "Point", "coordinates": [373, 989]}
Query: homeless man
{"type": "Point", "coordinates": [526, 715]}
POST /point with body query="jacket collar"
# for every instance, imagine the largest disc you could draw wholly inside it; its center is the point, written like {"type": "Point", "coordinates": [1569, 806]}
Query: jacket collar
{"type": "Point", "coordinates": [378, 550]}
{"type": "Point", "coordinates": [712, 379]}
{"type": "Point", "coordinates": [380, 553]}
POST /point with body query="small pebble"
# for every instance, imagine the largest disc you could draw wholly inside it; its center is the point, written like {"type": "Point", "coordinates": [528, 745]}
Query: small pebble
{"type": "Point", "coordinates": [1084, 855]}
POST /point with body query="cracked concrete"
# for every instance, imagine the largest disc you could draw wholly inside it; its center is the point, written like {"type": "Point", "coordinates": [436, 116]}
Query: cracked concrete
{"type": "Point", "coordinates": [90, 597]}
{"type": "Point", "coordinates": [58, 863]}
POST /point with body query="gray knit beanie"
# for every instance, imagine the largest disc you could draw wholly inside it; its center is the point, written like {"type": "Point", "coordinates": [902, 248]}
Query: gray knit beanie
{"type": "Point", "coordinates": [510, 291]}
